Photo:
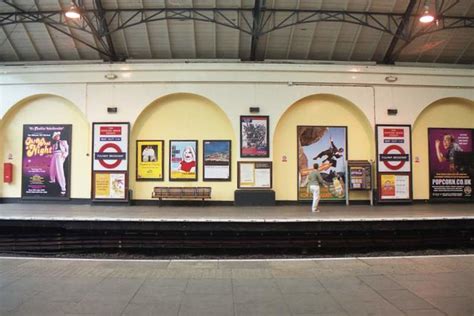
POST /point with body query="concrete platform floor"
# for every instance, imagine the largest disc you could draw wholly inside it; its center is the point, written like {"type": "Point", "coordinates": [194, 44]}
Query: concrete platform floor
{"type": "Point", "coordinates": [288, 213]}
{"type": "Point", "coordinates": [360, 286]}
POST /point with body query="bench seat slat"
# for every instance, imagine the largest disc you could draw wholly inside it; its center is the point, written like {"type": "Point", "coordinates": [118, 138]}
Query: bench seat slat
{"type": "Point", "coordinates": [182, 192]}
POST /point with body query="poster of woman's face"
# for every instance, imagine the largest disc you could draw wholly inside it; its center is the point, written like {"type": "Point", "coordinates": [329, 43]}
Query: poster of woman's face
{"type": "Point", "coordinates": [183, 160]}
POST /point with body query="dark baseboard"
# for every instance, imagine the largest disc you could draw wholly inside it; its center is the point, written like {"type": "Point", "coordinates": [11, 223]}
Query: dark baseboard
{"type": "Point", "coordinates": [30, 201]}
{"type": "Point", "coordinates": [343, 202]}
{"type": "Point", "coordinates": [210, 203]}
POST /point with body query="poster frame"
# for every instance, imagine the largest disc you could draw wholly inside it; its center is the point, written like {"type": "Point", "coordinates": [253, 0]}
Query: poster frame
{"type": "Point", "coordinates": [229, 178]}
{"type": "Point", "coordinates": [267, 137]}
{"type": "Point", "coordinates": [138, 159]}
{"type": "Point", "coordinates": [379, 191]}
{"type": "Point", "coordinates": [430, 191]}
{"type": "Point", "coordinates": [92, 163]}
{"type": "Point", "coordinates": [128, 144]}
{"type": "Point", "coordinates": [197, 160]}
{"type": "Point", "coordinates": [239, 185]}
{"type": "Point", "coordinates": [126, 199]}
{"type": "Point", "coordinates": [360, 164]}
{"type": "Point", "coordinates": [346, 155]}
{"type": "Point", "coordinates": [379, 173]}
{"type": "Point", "coordinates": [67, 197]}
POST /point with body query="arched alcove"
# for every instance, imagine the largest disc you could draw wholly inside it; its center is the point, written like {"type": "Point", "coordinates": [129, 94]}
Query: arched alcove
{"type": "Point", "coordinates": [445, 113]}
{"type": "Point", "coordinates": [46, 109]}
{"type": "Point", "coordinates": [183, 116]}
{"type": "Point", "coordinates": [317, 110]}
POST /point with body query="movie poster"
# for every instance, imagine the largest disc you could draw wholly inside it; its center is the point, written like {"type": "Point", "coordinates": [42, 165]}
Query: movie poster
{"type": "Point", "coordinates": [326, 146]}
{"type": "Point", "coordinates": [149, 160]}
{"type": "Point", "coordinates": [217, 160]}
{"type": "Point", "coordinates": [46, 165]}
{"type": "Point", "coordinates": [254, 136]}
{"type": "Point", "coordinates": [451, 163]}
{"type": "Point", "coordinates": [183, 160]}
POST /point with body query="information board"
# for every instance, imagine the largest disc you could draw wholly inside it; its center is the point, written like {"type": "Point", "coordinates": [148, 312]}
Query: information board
{"type": "Point", "coordinates": [360, 175]}
{"type": "Point", "coordinates": [254, 175]}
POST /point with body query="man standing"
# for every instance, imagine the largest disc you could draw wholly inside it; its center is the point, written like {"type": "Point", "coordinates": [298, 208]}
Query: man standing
{"type": "Point", "coordinates": [314, 182]}
{"type": "Point", "coordinates": [56, 168]}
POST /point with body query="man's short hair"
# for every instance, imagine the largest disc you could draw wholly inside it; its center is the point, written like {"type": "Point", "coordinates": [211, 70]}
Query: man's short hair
{"type": "Point", "coordinates": [316, 166]}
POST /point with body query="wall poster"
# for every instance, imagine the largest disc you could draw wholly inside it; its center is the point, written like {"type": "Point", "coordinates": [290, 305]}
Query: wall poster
{"type": "Point", "coordinates": [46, 163]}
{"type": "Point", "coordinates": [394, 186]}
{"type": "Point", "coordinates": [254, 136]}
{"type": "Point", "coordinates": [217, 160]}
{"type": "Point", "coordinates": [110, 186]}
{"type": "Point", "coordinates": [451, 158]}
{"type": "Point", "coordinates": [254, 175]}
{"type": "Point", "coordinates": [394, 163]}
{"type": "Point", "coordinates": [183, 160]}
{"type": "Point", "coordinates": [150, 160]}
{"type": "Point", "coordinates": [327, 146]}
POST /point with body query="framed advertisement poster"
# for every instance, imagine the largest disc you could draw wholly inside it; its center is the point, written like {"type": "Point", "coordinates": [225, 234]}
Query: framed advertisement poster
{"type": "Point", "coordinates": [110, 146]}
{"type": "Point", "coordinates": [394, 163]}
{"type": "Point", "coordinates": [183, 164]}
{"type": "Point", "coordinates": [326, 146]}
{"type": "Point", "coordinates": [46, 162]}
{"type": "Point", "coordinates": [150, 160]}
{"type": "Point", "coordinates": [394, 187]}
{"type": "Point", "coordinates": [110, 186]}
{"type": "Point", "coordinates": [254, 136]}
{"type": "Point", "coordinates": [217, 160]}
{"type": "Point", "coordinates": [254, 175]}
{"type": "Point", "coordinates": [451, 163]}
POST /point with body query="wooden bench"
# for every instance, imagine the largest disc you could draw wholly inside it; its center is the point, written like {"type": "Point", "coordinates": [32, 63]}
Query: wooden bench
{"type": "Point", "coordinates": [186, 193]}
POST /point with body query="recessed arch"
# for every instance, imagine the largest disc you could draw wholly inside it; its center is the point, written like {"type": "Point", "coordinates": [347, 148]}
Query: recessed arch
{"type": "Point", "coordinates": [183, 116]}
{"type": "Point", "coordinates": [446, 112]}
{"type": "Point", "coordinates": [317, 110]}
{"type": "Point", "coordinates": [46, 109]}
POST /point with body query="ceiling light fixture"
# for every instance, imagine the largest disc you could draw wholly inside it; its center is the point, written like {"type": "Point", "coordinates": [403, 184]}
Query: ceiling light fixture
{"type": "Point", "coordinates": [73, 12]}
{"type": "Point", "coordinates": [427, 17]}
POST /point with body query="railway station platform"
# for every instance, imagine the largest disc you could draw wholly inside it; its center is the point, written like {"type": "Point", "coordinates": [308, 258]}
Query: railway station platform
{"type": "Point", "coordinates": [436, 285]}
{"type": "Point", "coordinates": [59, 228]}
{"type": "Point", "coordinates": [287, 213]}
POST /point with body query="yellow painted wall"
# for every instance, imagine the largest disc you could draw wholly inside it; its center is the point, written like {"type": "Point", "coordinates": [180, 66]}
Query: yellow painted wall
{"type": "Point", "coordinates": [452, 112]}
{"type": "Point", "coordinates": [324, 110]}
{"type": "Point", "coordinates": [183, 117]}
{"type": "Point", "coordinates": [46, 109]}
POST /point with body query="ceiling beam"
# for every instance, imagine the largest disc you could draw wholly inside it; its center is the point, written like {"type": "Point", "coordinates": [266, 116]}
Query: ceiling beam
{"type": "Point", "coordinates": [389, 57]}
{"type": "Point", "coordinates": [104, 30]}
{"type": "Point", "coordinates": [257, 21]}
{"type": "Point", "coordinates": [12, 47]}
{"type": "Point", "coordinates": [52, 24]}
